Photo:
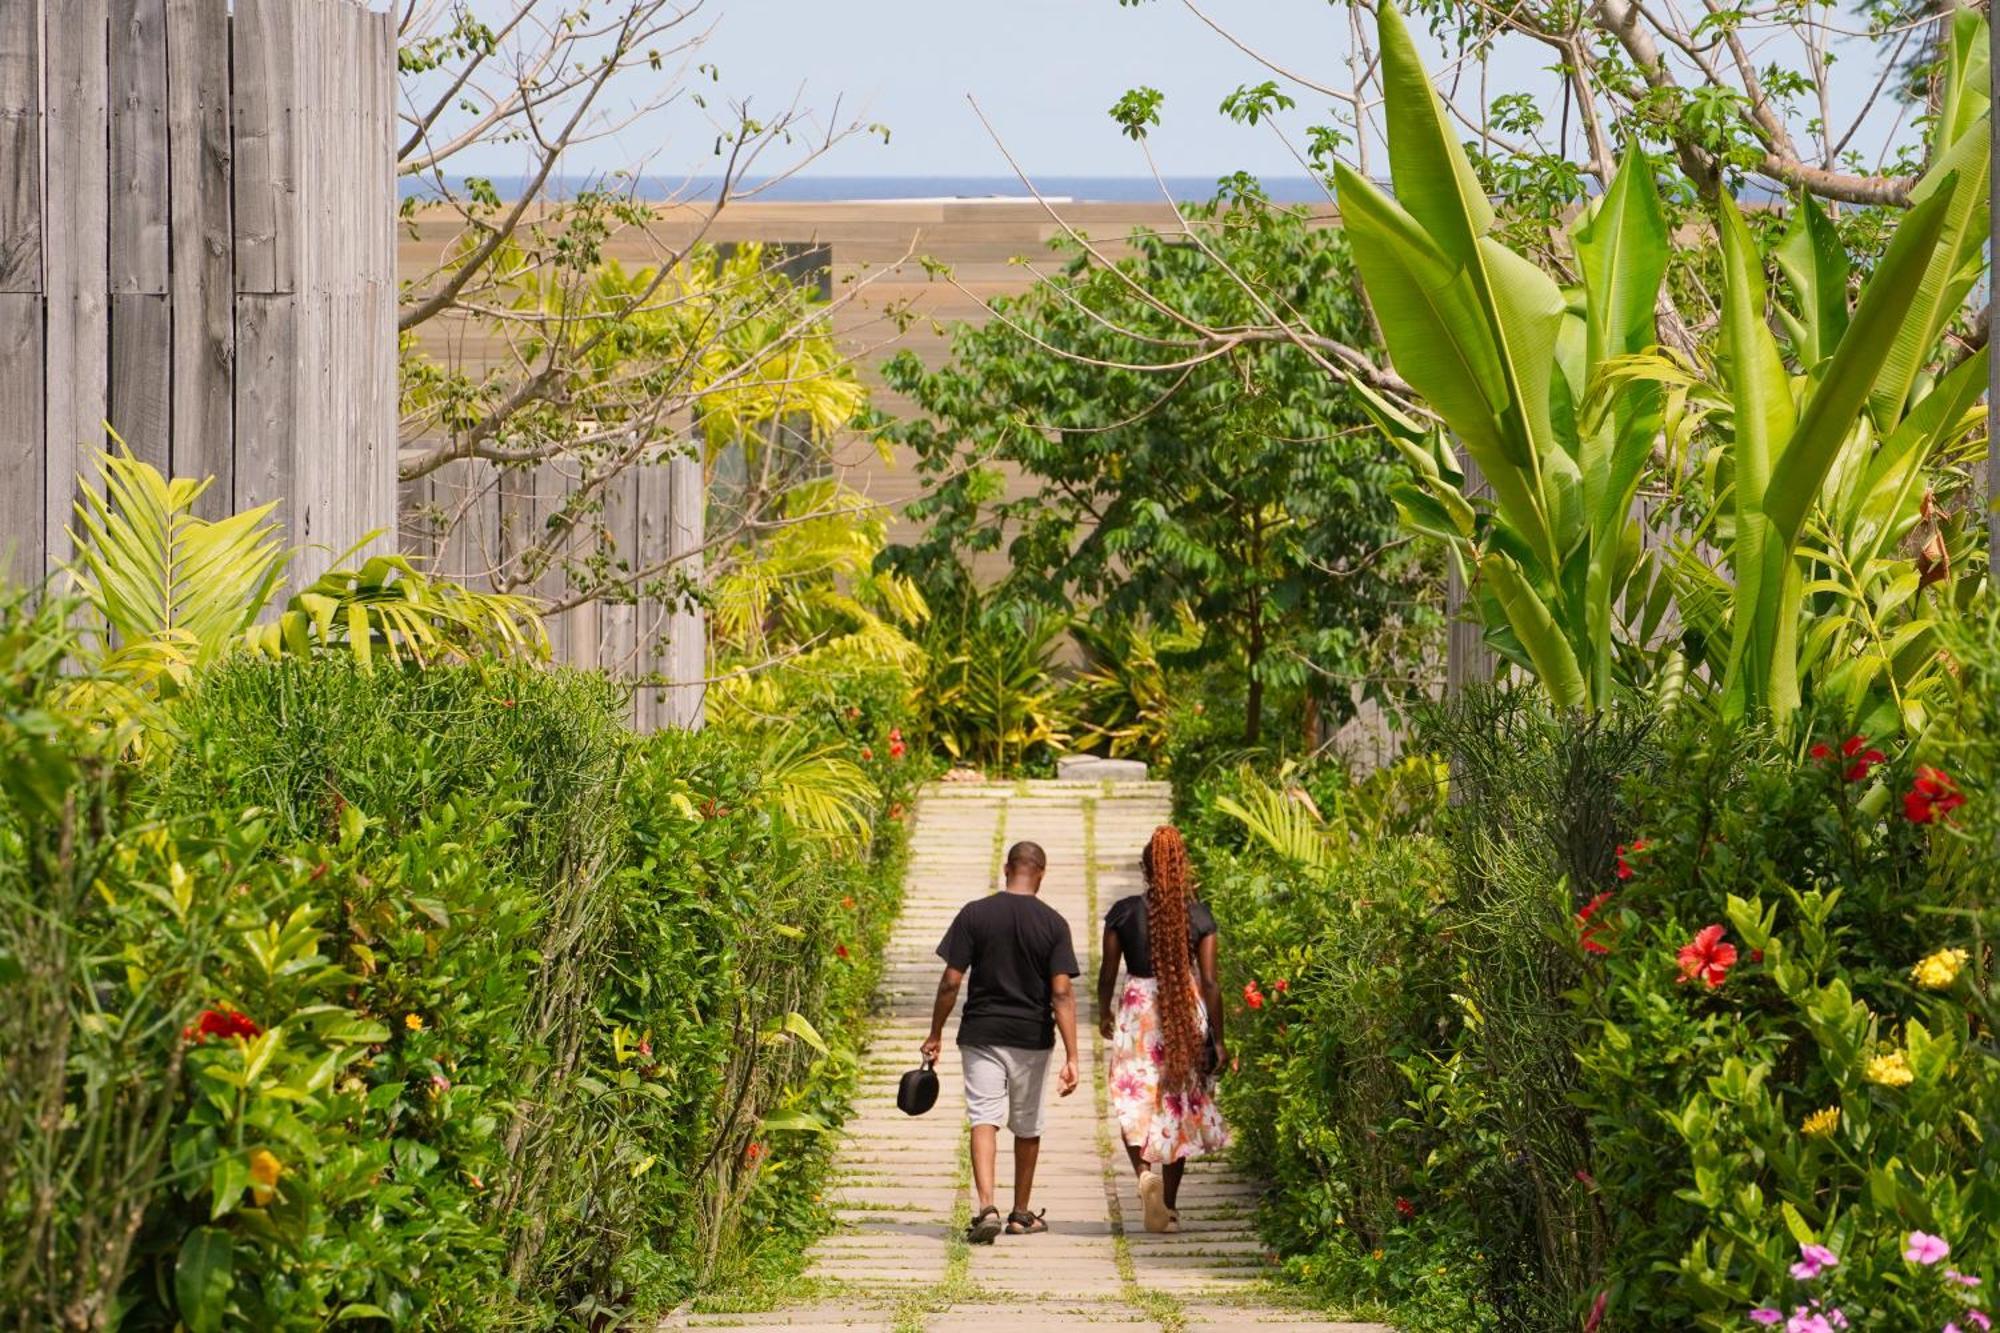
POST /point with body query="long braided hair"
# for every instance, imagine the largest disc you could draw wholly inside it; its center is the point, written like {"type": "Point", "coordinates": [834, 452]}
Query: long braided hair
{"type": "Point", "coordinates": [1169, 885]}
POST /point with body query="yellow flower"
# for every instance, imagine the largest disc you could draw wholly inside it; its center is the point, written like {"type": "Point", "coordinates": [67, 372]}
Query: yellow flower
{"type": "Point", "coordinates": [265, 1169]}
{"type": "Point", "coordinates": [1891, 1070]}
{"type": "Point", "coordinates": [1376, 1256]}
{"type": "Point", "coordinates": [1821, 1124]}
{"type": "Point", "coordinates": [414, 1022]}
{"type": "Point", "coordinates": [1940, 969]}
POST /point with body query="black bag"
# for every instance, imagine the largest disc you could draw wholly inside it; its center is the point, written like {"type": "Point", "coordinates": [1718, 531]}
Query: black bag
{"type": "Point", "coordinates": [918, 1091]}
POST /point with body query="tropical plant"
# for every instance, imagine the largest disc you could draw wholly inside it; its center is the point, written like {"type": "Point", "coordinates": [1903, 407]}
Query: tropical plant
{"type": "Point", "coordinates": [169, 592]}
{"type": "Point", "coordinates": [1562, 403]}
{"type": "Point", "coordinates": [992, 691]}
{"type": "Point", "coordinates": [1236, 486]}
{"type": "Point", "coordinates": [1123, 695]}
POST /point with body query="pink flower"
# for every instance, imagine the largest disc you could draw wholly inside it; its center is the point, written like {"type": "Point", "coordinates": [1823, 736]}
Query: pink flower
{"type": "Point", "coordinates": [1962, 1279]}
{"type": "Point", "coordinates": [1804, 1320]}
{"type": "Point", "coordinates": [1707, 956]}
{"type": "Point", "coordinates": [1920, 1247]}
{"type": "Point", "coordinates": [1764, 1314]}
{"type": "Point", "coordinates": [1813, 1260]}
{"type": "Point", "coordinates": [1979, 1317]}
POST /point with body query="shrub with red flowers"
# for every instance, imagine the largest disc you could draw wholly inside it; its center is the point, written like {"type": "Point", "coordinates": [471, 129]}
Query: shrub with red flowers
{"type": "Point", "coordinates": [223, 1023]}
{"type": "Point", "coordinates": [1707, 956]}
{"type": "Point", "coordinates": [1932, 796]}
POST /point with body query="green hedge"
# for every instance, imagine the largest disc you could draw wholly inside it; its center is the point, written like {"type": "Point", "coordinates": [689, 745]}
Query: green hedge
{"type": "Point", "coordinates": [1489, 1099]}
{"type": "Point", "coordinates": [549, 1019]}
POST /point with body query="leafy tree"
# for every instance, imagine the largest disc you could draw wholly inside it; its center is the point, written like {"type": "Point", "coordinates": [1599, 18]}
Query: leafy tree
{"type": "Point", "coordinates": [1242, 481]}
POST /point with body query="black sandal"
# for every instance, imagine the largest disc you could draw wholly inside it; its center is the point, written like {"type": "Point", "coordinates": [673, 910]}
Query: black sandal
{"type": "Point", "coordinates": [984, 1228]}
{"type": "Point", "coordinates": [1026, 1224]}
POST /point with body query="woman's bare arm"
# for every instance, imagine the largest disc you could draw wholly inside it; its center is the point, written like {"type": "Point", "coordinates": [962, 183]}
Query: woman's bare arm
{"type": "Point", "coordinates": [1107, 982]}
{"type": "Point", "coordinates": [1211, 994]}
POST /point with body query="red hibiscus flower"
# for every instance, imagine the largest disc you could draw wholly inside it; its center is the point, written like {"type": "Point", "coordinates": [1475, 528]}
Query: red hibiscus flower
{"type": "Point", "coordinates": [1281, 985]}
{"type": "Point", "coordinates": [1932, 795]}
{"type": "Point", "coordinates": [1626, 854]}
{"type": "Point", "coordinates": [222, 1023]}
{"type": "Point", "coordinates": [1861, 757]}
{"type": "Point", "coordinates": [1252, 996]}
{"type": "Point", "coordinates": [1821, 751]}
{"type": "Point", "coordinates": [867, 753]}
{"type": "Point", "coordinates": [1405, 1207]}
{"type": "Point", "coordinates": [752, 1151]}
{"type": "Point", "coordinates": [897, 750]}
{"type": "Point", "coordinates": [1707, 956]}
{"type": "Point", "coordinates": [840, 951]}
{"type": "Point", "coordinates": [1588, 928]}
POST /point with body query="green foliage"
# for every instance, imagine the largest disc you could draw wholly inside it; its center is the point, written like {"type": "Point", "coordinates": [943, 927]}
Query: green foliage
{"type": "Point", "coordinates": [170, 592]}
{"type": "Point", "coordinates": [992, 695]}
{"type": "Point", "coordinates": [1561, 400]}
{"type": "Point", "coordinates": [538, 1020]}
{"type": "Point", "coordinates": [1234, 485]}
{"type": "Point", "coordinates": [1488, 1016]}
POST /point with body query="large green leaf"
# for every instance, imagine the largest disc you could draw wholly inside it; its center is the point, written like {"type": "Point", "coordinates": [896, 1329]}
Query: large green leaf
{"type": "Point", "coordinates": [1814, 263]}
{"type": "Point", "coordinates": [1862, 357]}
{"type": "Point", "coordinates": [1433, 179]}
{"type": "Point", "coordinates": [1528, 616]}
{"type": "Point", "coordinates": [1621, 249]}
{"type": "Point", "coordinates": [204, 1273]}
{"type": "Point", "coordinates": [1924, 306]}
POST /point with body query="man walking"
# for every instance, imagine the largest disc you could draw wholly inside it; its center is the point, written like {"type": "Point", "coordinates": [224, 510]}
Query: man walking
{"type": "Point", "coordinates": [1016, 949]}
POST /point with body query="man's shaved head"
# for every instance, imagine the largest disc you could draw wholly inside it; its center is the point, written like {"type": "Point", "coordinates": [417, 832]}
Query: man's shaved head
{"type": "Point", "coordinates": [1026, 858]}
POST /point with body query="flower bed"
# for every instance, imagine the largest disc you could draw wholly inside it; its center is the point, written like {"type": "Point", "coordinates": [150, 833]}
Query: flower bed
{"type": "Point", "coordinates": [428, 997]}
{"type": "Point", "coordinates": [1655, 1027]}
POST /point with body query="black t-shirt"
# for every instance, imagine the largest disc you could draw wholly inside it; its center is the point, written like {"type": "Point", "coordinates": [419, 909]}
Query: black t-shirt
{"type": "Point", "coordinates": [1128, 917]}
{"type": "Point", "coordinates": [1012, 946]}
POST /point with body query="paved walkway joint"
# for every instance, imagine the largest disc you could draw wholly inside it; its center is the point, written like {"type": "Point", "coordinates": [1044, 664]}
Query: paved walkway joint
{"type": "Point", "coordinates": [901, 1189]}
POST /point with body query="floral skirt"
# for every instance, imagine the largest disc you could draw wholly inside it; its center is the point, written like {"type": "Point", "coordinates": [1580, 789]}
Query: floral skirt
{"type": "Point", "coordinates": [1170, 1128]}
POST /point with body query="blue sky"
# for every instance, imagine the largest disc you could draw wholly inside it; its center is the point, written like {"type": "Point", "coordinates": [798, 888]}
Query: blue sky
{"type": "Point", "coordinates": [1044, 71]}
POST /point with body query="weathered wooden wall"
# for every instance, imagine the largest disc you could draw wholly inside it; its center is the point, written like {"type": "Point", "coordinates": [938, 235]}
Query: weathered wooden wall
{"type": "Point", "coordinates": [197, 246]}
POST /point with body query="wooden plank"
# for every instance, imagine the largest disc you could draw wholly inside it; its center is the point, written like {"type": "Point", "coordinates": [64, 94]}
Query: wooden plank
{"type": "Point", "coordinates": [141, 358]}
{"type": "Point", "coordinates": [683, 703]}
{"type": "Point", "coordinates": [204, 334]}
{"type": "Point", "coordinates": [21, 154]}
{"type": "Point", "coordinates": [138, 83]}
{"type": "Point", "coordinates": [618, 542]}
{"type": "Point", "coordinates": [649, 658]}
{"type": "Point", "coordinates": [263, 87]}
{"type": "Point", "coordinates": [267, 336]}
{"type": "Point", "coordinates": [21, 460]}
{"type": "Point", "coordinates": [75, 225]}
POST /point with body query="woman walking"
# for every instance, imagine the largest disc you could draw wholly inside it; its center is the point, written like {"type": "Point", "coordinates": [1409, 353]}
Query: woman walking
{"type": "Point", "coordinates": [1165, 1027]}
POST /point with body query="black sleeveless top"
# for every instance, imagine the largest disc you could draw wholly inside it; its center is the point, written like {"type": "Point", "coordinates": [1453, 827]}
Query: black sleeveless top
{"type": "Point", "coordinates": [1128, 917]}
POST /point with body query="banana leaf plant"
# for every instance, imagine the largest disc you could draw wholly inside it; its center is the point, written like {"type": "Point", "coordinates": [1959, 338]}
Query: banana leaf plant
{"type": "Point", "coordinates": [1509, 361]}
{"type": "Point", "coordinates": [1816, 467]}
{"type": "Point", "coordinates": [1824, 466]}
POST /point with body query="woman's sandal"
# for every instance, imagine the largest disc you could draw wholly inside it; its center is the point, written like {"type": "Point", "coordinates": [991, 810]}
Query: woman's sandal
{"type": "Point", "coordinates": [984, 1228]}
{"type": "Point", "coordinates": [1027, 1224]}
{"type": "Point", "coordinates": [1153, 1200]}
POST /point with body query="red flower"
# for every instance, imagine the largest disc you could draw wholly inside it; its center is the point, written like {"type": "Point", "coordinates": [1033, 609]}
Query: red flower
{"type": "Point", "coordinates": [1933, 794]}
{"type": "Point", "coordinates": [895, 733]}
{"type": "Point", "coordinates": [752, 1151]}
{"type": "Point", "coordinates": [1405, 1207]}
{"type": "Point", "coordinates": [1596, 1318]}
{"type": "Point", "coordinates": [1281, 985]}
{"type": "Point", "coordinates": [1707, 956]}
{"type": "Point", "coordinates": [1821, 751]}
{"type": "Point", "coordinates": [848, 902]}
{"type": "Point", "coordinates": [1864, 758]}
{"type": "Point", "coordinates": [224, 1023]}
{"type": "Point", "coordinates": [1588, 928]}
{"type": "Point", "coordinates": [1756, 955]}
{"type": "Point", "coordinates": [896, 749]}
{"type": "Point", "coordinates": [1253, 996]}
{"type": "Point", "coordinates": [840, 951]}
{"type": "Point", "coordinates": [867, 753]}
{"type": "Point", "coordinates": [1625, 855]}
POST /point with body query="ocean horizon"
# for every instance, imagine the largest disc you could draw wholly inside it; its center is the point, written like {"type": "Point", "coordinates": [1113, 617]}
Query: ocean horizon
{"type": "Point", "coordinates": [882, 189]}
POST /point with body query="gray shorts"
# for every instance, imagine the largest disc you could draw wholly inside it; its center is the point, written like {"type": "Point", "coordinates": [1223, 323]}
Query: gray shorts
{"type": "Point", "coordinates": [1003, 1086]}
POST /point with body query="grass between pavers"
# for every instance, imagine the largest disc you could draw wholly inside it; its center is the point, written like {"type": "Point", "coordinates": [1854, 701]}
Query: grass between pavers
{"type": "Point", "coordinates": [956, 1286]}
{"type": "Point", "coordinates": [1161, 1307]}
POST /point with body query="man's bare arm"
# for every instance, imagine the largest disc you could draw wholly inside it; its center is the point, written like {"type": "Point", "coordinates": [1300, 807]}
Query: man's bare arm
{"type": "Point", "coordinates": [947, 1000]}
{"type": "Point", "coordinates": [1063, 998]}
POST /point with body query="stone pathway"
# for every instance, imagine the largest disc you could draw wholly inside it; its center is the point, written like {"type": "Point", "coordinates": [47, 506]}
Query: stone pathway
{"type": "Point", "coordinates": [895, 1262]}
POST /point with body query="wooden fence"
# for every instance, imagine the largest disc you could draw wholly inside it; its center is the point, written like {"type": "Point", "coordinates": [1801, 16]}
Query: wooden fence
{"type": "Point", "coordinates": [197, 211]}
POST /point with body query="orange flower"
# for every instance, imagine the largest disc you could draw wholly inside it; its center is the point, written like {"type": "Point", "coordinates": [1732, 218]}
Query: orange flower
{"type": "Point", "coordinates": [265, 1169]}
